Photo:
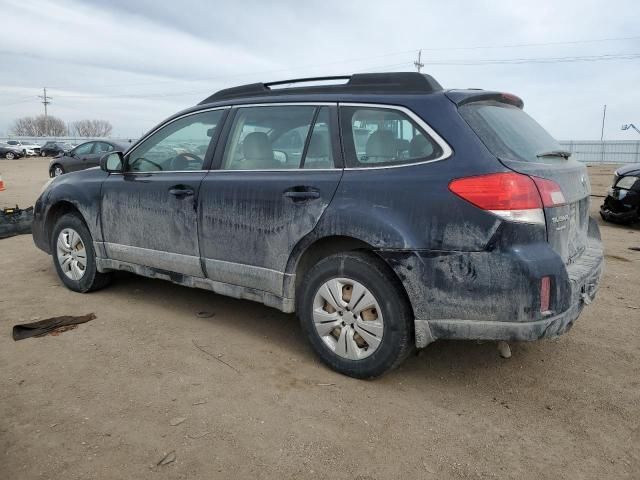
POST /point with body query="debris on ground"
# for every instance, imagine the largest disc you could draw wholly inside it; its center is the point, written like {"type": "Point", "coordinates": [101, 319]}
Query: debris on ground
{"type": "Point", "coordinates": [635, 249]}
{"type": "Point", "coordinates": [205, 314]}
{"type": "Point", "coordinates": [503, 349]}
{"type": "Point", "coordinates": [177, 421]}
{"type": "Point", "coordinates": [167, 459]}
{"type": "Point", "coordinates": [15, 221]}
{"type": "Point", "coordinates": [216, 357]}
{"type": "Point", "coordinates": [50, 326]}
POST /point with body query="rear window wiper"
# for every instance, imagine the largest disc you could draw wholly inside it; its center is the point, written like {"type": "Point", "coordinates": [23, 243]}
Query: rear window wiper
{"type": "Point", "coordinates": [555, 153]}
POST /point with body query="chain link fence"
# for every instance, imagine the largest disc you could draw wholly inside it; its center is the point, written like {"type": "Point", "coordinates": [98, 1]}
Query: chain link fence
{"type": "Point", "coordinates": [612, 151]}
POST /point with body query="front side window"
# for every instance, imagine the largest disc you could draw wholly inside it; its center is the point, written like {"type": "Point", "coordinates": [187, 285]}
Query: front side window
{"type": "Point", "coordinates": [376, 137]}
{"type": "Point", "coordinates": [179, 146]}
{"type": "Point", "coordinates": [102, 147]}
{"type": "Point", "coordinates": [268, 137]}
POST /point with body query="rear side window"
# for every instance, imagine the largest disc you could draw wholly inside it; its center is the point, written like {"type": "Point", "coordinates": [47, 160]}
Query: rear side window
{"type": "Point", "coordinates": [375, 137]}
{"type": "Point", "coordinates": [508, 132]}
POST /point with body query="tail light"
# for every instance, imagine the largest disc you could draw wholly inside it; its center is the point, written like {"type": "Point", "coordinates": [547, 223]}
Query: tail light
{"type": "Point", "coordinates": [545, 294]}
{"type": "Point", "coordinates": [510, 195]}
{"type": "Point", "coordinates": [549, 192]}
{"type": "Point", "coordinates": [1, 185]}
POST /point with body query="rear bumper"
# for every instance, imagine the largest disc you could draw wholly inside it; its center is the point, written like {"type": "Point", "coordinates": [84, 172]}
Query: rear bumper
{"type": "Point", "coordinates": [496, 295]}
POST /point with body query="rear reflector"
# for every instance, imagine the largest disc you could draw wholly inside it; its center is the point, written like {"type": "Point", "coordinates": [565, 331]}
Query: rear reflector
{"type": "Point", "coordinates": [509, 195]}
{"type": "Point", "coordinates": [545, 294]}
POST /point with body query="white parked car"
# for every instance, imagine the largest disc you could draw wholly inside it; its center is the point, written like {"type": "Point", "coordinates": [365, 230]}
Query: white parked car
{"type": "Point", "coordinates": [28, 149]}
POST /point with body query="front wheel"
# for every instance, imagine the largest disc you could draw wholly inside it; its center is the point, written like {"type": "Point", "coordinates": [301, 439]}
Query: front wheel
{"type": "Point", "coordinates": [9, 156]}
{"type": "Point", "coordinates": [57, 170]}
{"type": "Point", "coordinates": [42, 154]}
{"type": "Point", "coordinates": [74, 256]}
{"type": "Point", "coordinates": [355, 314]}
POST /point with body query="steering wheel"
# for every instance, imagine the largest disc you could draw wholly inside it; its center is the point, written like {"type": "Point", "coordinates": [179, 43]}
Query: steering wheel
{"type": "Point", "coordinates": [188, 156]}
{"type": "Point", "coordinates": [142, 159]}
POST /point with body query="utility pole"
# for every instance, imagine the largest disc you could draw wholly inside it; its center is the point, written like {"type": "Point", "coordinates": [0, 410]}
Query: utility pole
{"type": "Point", "coordinates": [45, 101]}
{"type": "Point", "coordinates": [418, 62]}
{"type": "Point", "coordinates": [604, 115]}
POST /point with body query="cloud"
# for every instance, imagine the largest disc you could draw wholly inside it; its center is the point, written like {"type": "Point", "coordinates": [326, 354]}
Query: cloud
{"type": "Point", "coordinates": [136, 62]}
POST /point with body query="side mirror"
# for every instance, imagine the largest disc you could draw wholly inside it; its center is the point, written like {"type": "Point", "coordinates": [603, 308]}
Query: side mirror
{"type": "Point", "coordinates": [112, 162]}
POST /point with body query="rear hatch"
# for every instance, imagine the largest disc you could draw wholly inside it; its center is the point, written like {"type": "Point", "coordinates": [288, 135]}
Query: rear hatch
{"type": "Point", "coordinates": [523, 146]}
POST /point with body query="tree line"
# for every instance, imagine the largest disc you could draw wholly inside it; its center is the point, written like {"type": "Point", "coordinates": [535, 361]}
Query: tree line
{"type": "Point", "coordinates": [50, 126]}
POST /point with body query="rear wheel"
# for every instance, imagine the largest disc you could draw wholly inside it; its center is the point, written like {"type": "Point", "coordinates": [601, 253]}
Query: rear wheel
{"type": "Point", "coordinates": [74, 256]}
{"type": "Point", "coordinates": [42, 154]}
{"type": "Point", "coordinates": [355, 315]}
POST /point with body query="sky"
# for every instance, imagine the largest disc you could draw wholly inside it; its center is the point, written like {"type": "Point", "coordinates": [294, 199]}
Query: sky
{"type": "Point", "coordinates": [136, 62]}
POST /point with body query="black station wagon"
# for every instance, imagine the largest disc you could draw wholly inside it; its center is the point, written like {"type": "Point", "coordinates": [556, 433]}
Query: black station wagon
{"type": "Point", "coordinates": [385, 211]}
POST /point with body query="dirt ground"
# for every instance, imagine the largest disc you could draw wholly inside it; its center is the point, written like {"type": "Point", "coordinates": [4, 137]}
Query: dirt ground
{"type": "Point", "coordinates": [112, 397]}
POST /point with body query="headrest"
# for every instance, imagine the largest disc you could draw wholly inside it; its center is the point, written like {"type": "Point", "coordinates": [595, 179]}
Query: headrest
{"type": "Point", "coordinates": [381, 143]}
{"type": "Point", "coordinates": [318, 145]}
{"type": "Point", "coordinates": [257, 146]}
{"type": "Point", "coordinates": [420, 147]}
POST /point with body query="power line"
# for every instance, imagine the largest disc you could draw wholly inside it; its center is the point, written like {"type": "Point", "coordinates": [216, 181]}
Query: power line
{"type": "Point", "coordinates": [390, 54]}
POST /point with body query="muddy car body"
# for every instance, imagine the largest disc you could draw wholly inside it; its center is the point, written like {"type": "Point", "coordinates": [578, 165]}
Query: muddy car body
{"type": "Point", "coordinates": [622, 204]}
{"type": "Point", "coordinates": [438, 222]}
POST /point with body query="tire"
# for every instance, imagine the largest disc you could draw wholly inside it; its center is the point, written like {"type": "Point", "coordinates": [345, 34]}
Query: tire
{"type": "Point", "coordinates": [9, 156]}
{"type": "Point", "coordinates": [355, 274]}
{"type": "Point", "coordinates": [57, 170]}
{"type": "Point", "coordinates": [42, 154]}
{"type": "Point", "coordinates": [89, 279]}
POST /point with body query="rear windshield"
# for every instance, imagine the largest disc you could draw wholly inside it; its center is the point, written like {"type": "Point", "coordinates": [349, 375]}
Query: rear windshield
{"type": "Point", "coordinates": [508, 132]}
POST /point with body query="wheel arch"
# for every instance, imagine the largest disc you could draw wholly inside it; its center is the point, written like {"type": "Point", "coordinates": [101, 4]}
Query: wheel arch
{"type": "Point", "coordinates": [309, 251]}
{"type": "Point", "coordinates": [56, 211]}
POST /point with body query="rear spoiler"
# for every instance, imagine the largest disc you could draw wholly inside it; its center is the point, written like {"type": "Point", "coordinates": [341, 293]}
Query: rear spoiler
{"type": "Point", "coordinates": [462, 97]}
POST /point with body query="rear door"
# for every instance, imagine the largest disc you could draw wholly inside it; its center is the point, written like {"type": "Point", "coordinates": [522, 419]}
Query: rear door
{"type": "Point", "coordinates": [276, 176]}
{"type": "Point", "coordinates": [149, 213]}
{"type": "Point", "coordinates": [522, 145]}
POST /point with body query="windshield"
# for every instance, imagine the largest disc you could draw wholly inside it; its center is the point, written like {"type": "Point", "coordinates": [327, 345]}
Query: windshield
{"type": "Point", "coordinates": [509, 133]}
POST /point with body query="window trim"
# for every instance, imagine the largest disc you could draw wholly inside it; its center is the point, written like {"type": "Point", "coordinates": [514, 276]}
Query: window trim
{"type": "Point", "coordinates": [216, 165]}
{"type": "Point", "coordinates": [447, 151]}
{"type": "Point", "coordinates": [206, 159]}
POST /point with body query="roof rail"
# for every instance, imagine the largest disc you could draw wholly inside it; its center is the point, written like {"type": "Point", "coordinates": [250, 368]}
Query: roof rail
{"type": "Point", "coordinates": [392, 82]}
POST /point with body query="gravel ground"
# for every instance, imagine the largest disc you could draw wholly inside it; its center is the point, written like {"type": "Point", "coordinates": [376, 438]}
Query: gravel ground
{"type": "Point", "coordinates": [146, 379]}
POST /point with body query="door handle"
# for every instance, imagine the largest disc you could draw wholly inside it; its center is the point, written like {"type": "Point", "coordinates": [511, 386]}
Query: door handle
{"type": "Point", "coordinates": [181, 192]}
{"type": "Point", "coordinates": [299, 194]}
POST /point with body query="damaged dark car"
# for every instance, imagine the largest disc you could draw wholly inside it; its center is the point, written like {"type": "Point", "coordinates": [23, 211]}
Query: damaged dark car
{"type": "Point", "coordinates": [385, 211]}
{"type": "Point", "coordinates": [622, 204]}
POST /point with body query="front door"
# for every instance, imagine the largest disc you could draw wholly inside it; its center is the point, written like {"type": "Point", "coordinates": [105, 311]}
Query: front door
{"type": "Point", "coordinates": [79, 157]}
{"type": "Point", "coordinates": [275, 179]}
{"type": "Point", "coordinates": [149, 212]}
